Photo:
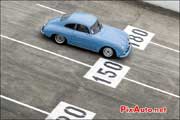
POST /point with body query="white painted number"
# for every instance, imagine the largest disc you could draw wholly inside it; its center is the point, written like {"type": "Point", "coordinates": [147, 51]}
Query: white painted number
{"type": "Point", "coordinates": [65, 111]}
{"type": "Point", "coordinates": [139, 38]}
{"type": "Point", "coordinates": [107, 72]}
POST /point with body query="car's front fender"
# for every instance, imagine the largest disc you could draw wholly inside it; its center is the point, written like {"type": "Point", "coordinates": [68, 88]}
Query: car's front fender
{"type": "Point", "coordinates": [104, 43]}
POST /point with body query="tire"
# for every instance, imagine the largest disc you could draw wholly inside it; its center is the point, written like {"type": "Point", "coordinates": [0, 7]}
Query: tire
{"type": "Point", "coordinates": [108, 52]}
{"type": "Point", "coordinates": [59, 39]}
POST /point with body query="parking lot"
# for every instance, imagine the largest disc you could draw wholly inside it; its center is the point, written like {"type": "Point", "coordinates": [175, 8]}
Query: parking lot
{"type": "Point", "coordinates": [37, 74]}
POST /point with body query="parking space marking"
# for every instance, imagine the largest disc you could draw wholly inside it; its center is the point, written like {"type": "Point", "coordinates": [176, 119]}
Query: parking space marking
{"type": "Point", "coordinates": [107, 72]}
{"type": "Point", "coordinates": [61, 12]}
{"type": "Point", "coordinates": [148, 86]}
{"type": "Point", "coordinates": [87, 65]}
{"type": "Point", "coordinates": [66, 111]}
{"type": "Point", "coordinates": [47, 51]}
{"type": "Point", "coordinates": [139, 38]}
{"type": "Point", "coordinates": [162, 46]}
{"type": "Point", "coordinates": [25, 105]}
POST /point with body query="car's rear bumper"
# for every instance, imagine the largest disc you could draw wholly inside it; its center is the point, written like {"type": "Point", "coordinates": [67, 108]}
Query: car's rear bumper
{"type": "Point", "coordinates": [126, 53]}
{"type": "Point", "coordinates": [42, 29]}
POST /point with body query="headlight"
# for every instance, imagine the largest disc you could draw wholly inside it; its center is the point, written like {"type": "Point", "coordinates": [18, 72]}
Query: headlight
{"type": "Point", "coordinates": [128, 37]}
{"type": "Point", "coordinates": [122, 47]}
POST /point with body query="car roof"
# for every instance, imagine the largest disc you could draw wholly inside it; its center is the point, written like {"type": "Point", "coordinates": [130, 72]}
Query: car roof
{"type": "Point", "coordinates": [82, 18]}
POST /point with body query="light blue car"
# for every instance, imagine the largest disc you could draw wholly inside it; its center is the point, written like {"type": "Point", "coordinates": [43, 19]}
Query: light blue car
{"type": "Point", "coordinates": [84, 30]}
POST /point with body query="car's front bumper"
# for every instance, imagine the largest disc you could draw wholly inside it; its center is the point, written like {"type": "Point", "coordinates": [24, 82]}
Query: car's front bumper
{"type": "Point", "coordinates": [126, 53]}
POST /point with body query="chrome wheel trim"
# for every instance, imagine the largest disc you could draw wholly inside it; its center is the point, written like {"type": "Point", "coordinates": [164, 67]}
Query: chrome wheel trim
{"type": "Point", "coordinates": [108, 52]}
{"type": "Point", "coordinates": [59, 39]}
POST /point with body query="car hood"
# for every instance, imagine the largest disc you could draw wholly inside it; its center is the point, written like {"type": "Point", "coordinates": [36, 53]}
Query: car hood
{"type": "Point", "coordinates": [113, 35]}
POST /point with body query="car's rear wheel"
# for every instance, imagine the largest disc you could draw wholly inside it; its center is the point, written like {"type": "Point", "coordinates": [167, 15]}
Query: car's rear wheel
{"type": "Point", "coordinates": [59, 39]}
{"type": "Point", "coordinates": [108, 52]}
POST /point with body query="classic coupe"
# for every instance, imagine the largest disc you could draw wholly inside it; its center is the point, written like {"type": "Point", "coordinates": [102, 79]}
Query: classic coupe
{"type": "Point", "coordinates": [85, 31]}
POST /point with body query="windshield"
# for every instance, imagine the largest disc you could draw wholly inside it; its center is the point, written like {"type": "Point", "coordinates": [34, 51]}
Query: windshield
{"type": "Point", "coordinates": [96, 27]}
{"type": "Point", "coordinates": [65, 16]}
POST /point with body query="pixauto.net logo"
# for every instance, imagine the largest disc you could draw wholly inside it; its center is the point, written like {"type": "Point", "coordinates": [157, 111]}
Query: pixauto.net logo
{"type": "Point", "coordinates": [137, 109]}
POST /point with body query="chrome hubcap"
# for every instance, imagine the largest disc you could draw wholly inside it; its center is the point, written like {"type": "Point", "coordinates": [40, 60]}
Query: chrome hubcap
{"type": "Point", "coordinates": [107, 52]}
{"type": "Point", "coordinates": [59, 39]}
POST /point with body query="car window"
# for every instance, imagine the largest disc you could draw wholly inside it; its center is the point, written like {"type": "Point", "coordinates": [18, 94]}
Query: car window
{"type": "Point", "coordinates": [71, 26]}
{"type": "Point", "coordinates": [82, 28]}
{"type": "Point", "coordinates": [96, 27]}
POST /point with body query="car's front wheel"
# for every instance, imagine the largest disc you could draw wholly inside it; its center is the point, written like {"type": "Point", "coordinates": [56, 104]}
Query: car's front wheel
{"type": "Point", "coordinates": [59, 39]}
{"type": "Point", "coordinates": [108, 52]}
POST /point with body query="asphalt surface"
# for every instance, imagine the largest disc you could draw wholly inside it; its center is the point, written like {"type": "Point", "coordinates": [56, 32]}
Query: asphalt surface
{"type": "Point", "coordinates": [43, 80]}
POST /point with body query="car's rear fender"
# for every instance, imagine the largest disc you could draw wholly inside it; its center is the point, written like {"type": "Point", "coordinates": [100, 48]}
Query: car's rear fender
{"type": "Point", "coordinates": [53, 29]}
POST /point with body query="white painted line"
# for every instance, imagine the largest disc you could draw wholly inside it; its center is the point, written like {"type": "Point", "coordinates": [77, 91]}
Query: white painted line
{"type": "Point", "coordinates": [25, 105]}
{"type": "Point", "coordinates": [164, 47]}
{"type": "Point", "coordinates": [87, 65]}
{"type": "Point", "coordinates": [157, 89]}
{"type": "Point", "coordinates": [47, 51]}
{"type": "Point", "coordinates": [61, 12]}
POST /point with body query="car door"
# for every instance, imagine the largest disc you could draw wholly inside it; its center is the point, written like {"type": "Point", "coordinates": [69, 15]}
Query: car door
{"type": "Point", "coordinates": [69, 29]}
{"type": "Point", "coordinates": [82, 37]}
